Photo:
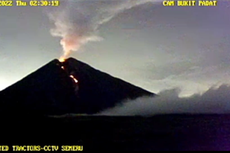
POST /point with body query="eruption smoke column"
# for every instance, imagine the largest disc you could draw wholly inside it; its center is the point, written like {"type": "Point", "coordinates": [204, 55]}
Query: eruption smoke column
{"type": "Point", "coordinates": [77, 21]}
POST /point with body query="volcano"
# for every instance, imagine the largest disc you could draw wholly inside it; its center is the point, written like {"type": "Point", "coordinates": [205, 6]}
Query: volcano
{"type": "Point", "coordinates": [51, 91]}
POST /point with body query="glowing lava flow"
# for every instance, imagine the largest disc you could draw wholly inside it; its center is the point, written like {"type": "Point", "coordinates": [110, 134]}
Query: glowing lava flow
{"type": "Point", "coordinates": [75, 80]}
{"type": "Point", "coordinates": [63, 60]}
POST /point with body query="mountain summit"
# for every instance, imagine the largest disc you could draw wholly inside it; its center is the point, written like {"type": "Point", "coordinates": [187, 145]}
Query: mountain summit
{"type": "Point", "coordinates": [67, 87]}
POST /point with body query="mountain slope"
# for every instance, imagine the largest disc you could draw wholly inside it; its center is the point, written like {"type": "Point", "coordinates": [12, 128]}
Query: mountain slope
{"type": "Point", "coordinates": [100, 90]}
{"type": "Point", "coordinates": [50, 91]}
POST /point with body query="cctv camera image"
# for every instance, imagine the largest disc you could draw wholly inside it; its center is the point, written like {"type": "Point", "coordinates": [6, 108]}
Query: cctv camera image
{"type": "Point", "coordinates": [114, 75]}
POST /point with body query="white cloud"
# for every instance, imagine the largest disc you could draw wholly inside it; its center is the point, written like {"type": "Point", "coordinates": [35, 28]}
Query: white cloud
{"type": "Point", "coordinates": [214, 100]}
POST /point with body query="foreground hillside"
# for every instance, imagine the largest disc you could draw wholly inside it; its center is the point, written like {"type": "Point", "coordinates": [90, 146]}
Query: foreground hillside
{"type": "Point", "coordinates": [164, 132]}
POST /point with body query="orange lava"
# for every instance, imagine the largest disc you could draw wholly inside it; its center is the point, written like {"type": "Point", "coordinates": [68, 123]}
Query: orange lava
{"type": "Point", "coordinates": [75, 80]}
{"type": "Point", "coordinates": [61, 59]}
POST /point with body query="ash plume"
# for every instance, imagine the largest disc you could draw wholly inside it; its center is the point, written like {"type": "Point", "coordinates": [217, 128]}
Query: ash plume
{"type": "Point", "coordinates": [77, 22]}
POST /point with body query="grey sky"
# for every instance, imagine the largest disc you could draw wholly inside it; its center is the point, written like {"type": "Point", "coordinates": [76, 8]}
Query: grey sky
{"type": "Point", "coordinates": [151, 46]}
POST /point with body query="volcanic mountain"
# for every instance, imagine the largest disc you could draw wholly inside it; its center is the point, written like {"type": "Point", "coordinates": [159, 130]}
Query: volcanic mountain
{"type": "Point", "coordinates": [50, 90]}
